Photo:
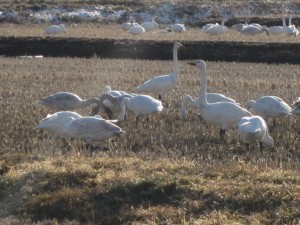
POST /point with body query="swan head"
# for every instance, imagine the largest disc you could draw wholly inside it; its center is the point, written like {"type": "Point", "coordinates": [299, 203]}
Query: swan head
{"type": "Point", "coordinates": [200, 64]}
{"type": "Point", "coordinates": [249, 104]}
{"type": "Point", "coordinates": [177, 45]}
{"type": "Point", "coordinates": [107, 89]}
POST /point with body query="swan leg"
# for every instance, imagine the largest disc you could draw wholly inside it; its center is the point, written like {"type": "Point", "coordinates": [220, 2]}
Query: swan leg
{"type": "Point", "coordinates": [261, 146]}
{"type": "Point", "coordinates": [159, 97]}
{"type": "Point", "coordinates": [136, 122]}
{"type": "Point", "coordinates": [248, 146]}
{"type": "Point", "coordinates": [274, 122]}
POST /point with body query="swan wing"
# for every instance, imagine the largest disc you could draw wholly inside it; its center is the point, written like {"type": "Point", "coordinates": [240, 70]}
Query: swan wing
{"type": "Point", "coordinates": [158, 84]}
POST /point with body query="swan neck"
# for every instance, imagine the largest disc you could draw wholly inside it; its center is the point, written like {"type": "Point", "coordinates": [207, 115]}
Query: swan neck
{"type": "Point", "coordinates": [124, 103]}
{"type": "Point", "coordinates": [283, 22]}
{"type": "Point", "coordinates": [203, 84]}
{"type": "Point", "coordinates": [175, 63]}
{"type": "Point", "coordinates": [88, 102]}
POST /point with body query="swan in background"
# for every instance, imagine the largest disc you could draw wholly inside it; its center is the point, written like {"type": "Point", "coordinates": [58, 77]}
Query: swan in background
{"type": "Point", "coordinates": [209, 25]}
{"type": "Point", "coordinates": [217, 29]}
{"type": "Point", "coordinates": [140, 105]}
{"type": "Point", "coordinates": [211, 98]}
{"type": "Point", "coordinates": [55, 29]}
{"type": "Point", "coordinates": [67, 101]}
{"type": "Point", "coordinates": [269, 107]}
{"type": "Point", "coordinates": [291, 29]}
{"type": "Point", "coordinates": [254, 128]}
{"type": "Point", "coordinates": [277, 30]}
{"type": "Point", "coordinates": [177, 27]}
{"type": "Point", "coordinates": [253, 30]}
{"type": "Point", "coordinates": [91, 129]}
{"type": "Point", "coordinates": [112, 102]}
{"type": "Point", "coordinates": [221, 114]}
{"type": "Point", "coordinates": [150, 25]}
{"type": "Point", "coordinates": [136, 30]}
{"type": "Point", "coordinates": [164, 83]}
{"type": "Point", "coordinates": [127, 25]}
{"type": "Point", "coordinates": [238, 26]}
{"type": "Point", "coordinates": [55, 122]}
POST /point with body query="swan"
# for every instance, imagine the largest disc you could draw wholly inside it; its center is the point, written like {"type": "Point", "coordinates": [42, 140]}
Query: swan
{"type": "Point", "coordinates": [177, 27]}
{"type": "Point", "coordinates": [238, 26]}
{"type": "Point", "coordinates": [217, 29]}
{"type": "Point", "coordinates": [291, 29]}
{"type": "Point", "coordinates": [67, 101]}
{"type": "Point", "coordinates": [150, 25]}
{"type": "Point", "coordinates": [55, 29]}
{"type": "Point", "coordinates": [136, 30]}
{"type": "Point", "coordinates": [140, 105]}
{"type": "Point", "coordinates": [55, 122]}
{"type": "Point", "coordinates": [253, 129]}
{"type": "Point", "coordinates": [253, 30]}
{"type": "Point", "coordinates": [269, 107]}
{"type": "Point", "coordinates": [277, 30]}
{"type": "Point", "coordinates": [296, 105]}
{"type": "Point", "coordinates": [164, 83]}
{"type": "Point", "coordinates": [222, 114]}
{"type": "Point", "coordinates": [91, 129]}
{"type": "Point", "coordinates": [211, 98]}
{"type": "Point", "coordinates": [127, 25]}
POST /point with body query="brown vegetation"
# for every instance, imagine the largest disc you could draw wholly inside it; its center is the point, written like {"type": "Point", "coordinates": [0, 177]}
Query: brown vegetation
{"type": "Point", "coordinates": [169, 171]}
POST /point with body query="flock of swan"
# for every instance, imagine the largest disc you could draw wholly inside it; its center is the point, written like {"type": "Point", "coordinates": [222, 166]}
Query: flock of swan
{"type": "Point", "coordinates": [214, 108]}
{"type": "Point", "coordinates": [215, 29]}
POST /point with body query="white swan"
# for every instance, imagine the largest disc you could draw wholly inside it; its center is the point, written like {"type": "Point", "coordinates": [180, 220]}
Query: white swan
{"type": "Point", "coordinates": [253, 30]}
{"type": "Point", "coordinates": [238, 26]}
{"type": "Point", "coordinates": [217, 29]}
{"type": "Point", "coordinates": [91, 129]}
{"type": "Point", "coordinates": [150, 25]}
{"type": "Point", "coordinates": [296, 109]}
{"type": "Point", "coordinates": [136, 30]}
{"type": "Point", "coordinates": [177, 27]}
{"type": "Point", "coordinates": [55, 29]}
{"type": "Point", "coordinates": [55, 122]}
{"type": "Point", "coordinates": [164, 83]}
{"type": "Point", "coordinates": [254, 128]}
{"type": "Point", "coordinates": [269, 107]}
{"type": "Point", "coordinates": [277, 30]}
{"type": "Point", "coordinates": [140, 105]}
{"type": "Point", "coordinates": [127, 25]}
{"type": "Point", "coordinates": [66, 101]}
{"type": "Point", "coordinates": [211, 98]}
{"type": "Point", "coordinates": [222, 114]}
{"type": "Point", "coordinates": [291, 30]}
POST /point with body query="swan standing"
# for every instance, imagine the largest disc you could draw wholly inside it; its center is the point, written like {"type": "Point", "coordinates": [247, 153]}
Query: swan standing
{"type": "Point", "coordinates": [277, 30]}
{"type": "Point", "coordinates": [91, 129]}
{"type": "Point", "coordinates": [55, 29]}
{"type": "Point", "coordinates": [164, 83]}
{"type": "Point", "coordinates": [222, 114]}
{"type": "Point", "coordinates": [150, 25]}
{"type": "Point", "coordinates": [140, 105]}
{"type": "Point", "coordinates": [253, 129]}
{"type": "Point", "coordinates": [217, 29]}
{"type": "Point", "coordinates": [269, 107]}
{"type": "Point", "coordinates": [67, 101]}
{"type": "Point", "coordinates": [211, 98]}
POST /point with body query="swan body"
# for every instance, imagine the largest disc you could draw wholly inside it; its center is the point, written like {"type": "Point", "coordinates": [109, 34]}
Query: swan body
{"type": "Point", "coordinates": [277, 30]}
{"type": "Point", "coordinates": [140, 105]}
{"type": "Point", "coordinates": [66, 101]}
{"type": "Point", "coordinates": [114, 93]}
{"type": "Point", "coordinates": [164, 83]}
{"type": "Point", "coordinates": [291, 30]}
{"type": "Point", "coordinates": [269, 107]}
{"type": "Point", "coordinates": [55, 29]}
{"type": "Point", "coordinates": [217, 29]}
{"type": "Point", "coordinates": [91, 129]}
{"type": "Point", "coordinates": [136, 30]}
{"type": "Point", "coordinates": [238, 26]}
{"type": "Point", "coordinates": [211, 98]}
{"type": "Point", "coordinates": [254, 128]}
{"type": "Point", "coordinates": [177, 27]}
{"type": "Point", "coordinates": [253, 30]}
{"type": "Point", "coordinates": [206, 26]}
{"type": "Point", "coordinates": [150, 25]}
{"type": "Point", "coordinates": [55, 122]}
{"type": "Point", "coordinates": [222, 114]}
{"type": "Point", "coordinates": [126, 26]}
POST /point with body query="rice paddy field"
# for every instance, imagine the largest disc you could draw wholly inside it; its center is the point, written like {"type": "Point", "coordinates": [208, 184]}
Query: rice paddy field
{"type": "Point", "coordinates": [168, 170]}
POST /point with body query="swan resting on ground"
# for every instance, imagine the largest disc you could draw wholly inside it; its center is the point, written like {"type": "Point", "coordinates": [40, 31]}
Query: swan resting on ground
{"type": "Point", "coordinates": [222, 114]}
{"type": "Point", "coordinates": [254, 128]}
{"type": "Point", "coordinates": [55, 29]}
{"type": "Point", "coordinates": [211, 98]}
{"type": "Point", "coordinates": [164, 83]}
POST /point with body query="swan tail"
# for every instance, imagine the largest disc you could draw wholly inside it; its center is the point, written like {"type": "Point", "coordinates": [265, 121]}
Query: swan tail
{"type": "Point", "coordinates": [268, 141]}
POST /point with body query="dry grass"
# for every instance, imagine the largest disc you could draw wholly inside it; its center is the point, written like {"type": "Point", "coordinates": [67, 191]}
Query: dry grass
{"type": "Point", "coordinates": [170, 171]}
{"type": "Point", "coordinates": [96, 30]}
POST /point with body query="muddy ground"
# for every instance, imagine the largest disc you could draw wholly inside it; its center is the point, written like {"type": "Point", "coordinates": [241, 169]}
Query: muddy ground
{"type": "Point", "coordinates": [145, 49]}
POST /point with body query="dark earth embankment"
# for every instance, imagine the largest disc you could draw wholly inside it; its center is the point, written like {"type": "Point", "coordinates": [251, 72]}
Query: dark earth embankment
{"type": "Point", "coordinates": [145, 49]}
